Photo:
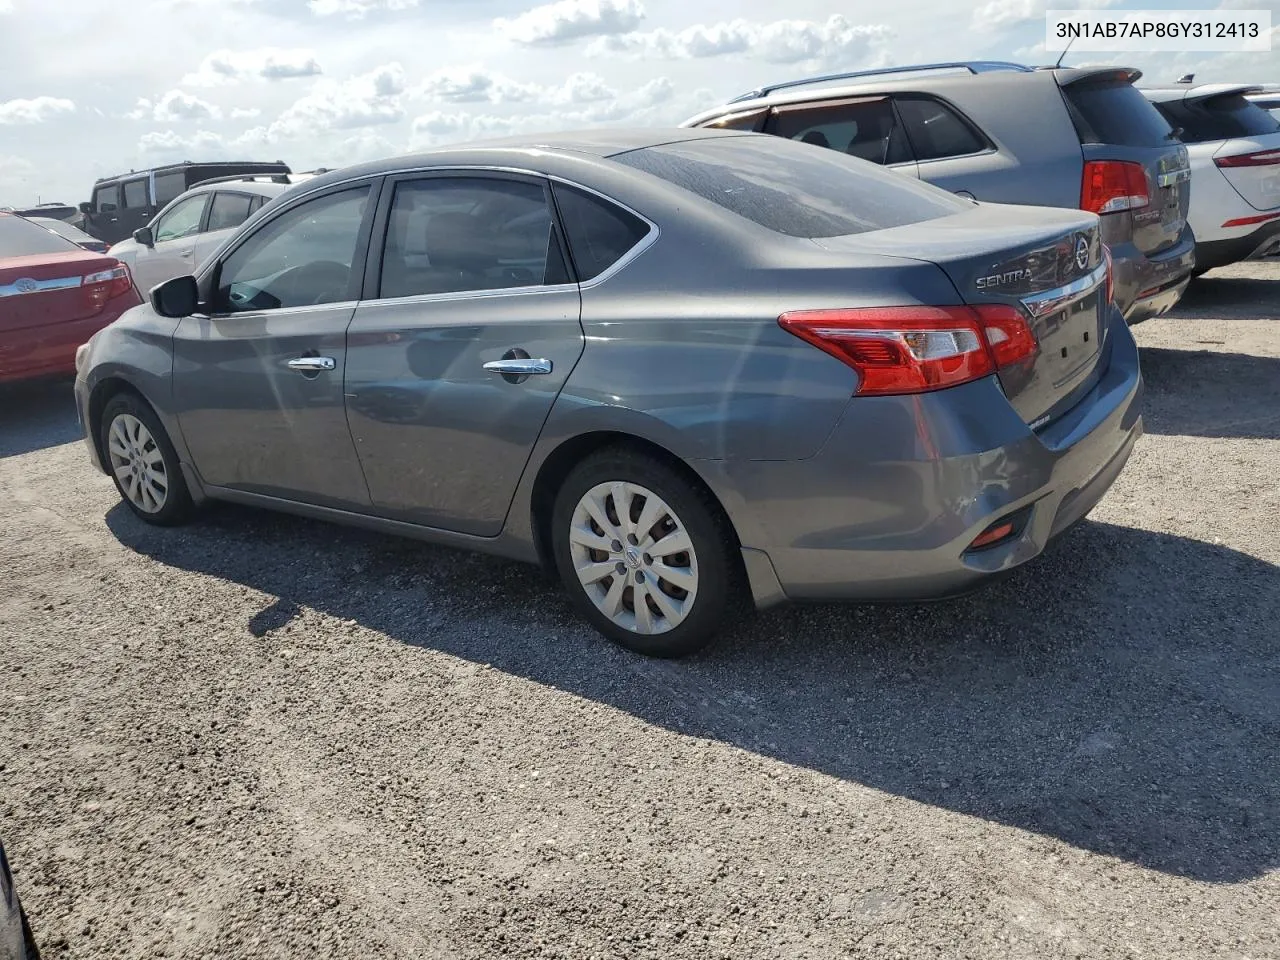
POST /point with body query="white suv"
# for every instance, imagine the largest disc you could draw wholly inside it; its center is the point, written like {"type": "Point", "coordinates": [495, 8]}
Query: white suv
{"type": "Point", "coordinates": [1234, 144]}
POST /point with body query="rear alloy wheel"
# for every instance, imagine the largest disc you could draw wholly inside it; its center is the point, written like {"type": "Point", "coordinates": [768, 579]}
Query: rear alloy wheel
{"type": "Point", "coordinates": [646, 555]}
{"type": "Point", "coordinates": [143, 463]}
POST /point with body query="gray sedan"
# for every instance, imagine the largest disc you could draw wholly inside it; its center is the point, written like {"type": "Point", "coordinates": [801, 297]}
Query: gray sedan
{"type": "Point", "coordinates": [680, 366]}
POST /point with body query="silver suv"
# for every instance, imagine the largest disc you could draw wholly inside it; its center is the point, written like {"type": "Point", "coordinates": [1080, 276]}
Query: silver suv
{"type": "Point", "coordinates": [1008, 133]}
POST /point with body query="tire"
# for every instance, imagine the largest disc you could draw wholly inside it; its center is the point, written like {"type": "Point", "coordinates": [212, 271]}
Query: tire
{"type": "Point", "coordinates": [148, 465]}
{"type": "Point", "coordinates": [688, 594]}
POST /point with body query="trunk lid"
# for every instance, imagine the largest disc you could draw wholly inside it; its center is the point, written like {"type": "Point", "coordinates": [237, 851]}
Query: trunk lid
{"type": "Point", "coordinates": [42, 289]}
{"type": "Point", "coordinates": [1049, 263]}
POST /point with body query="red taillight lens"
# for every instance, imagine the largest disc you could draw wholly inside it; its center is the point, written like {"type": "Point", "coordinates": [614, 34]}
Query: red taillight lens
{"type": "Point", "coordinates": [107, 284]}
{"type": "Point", "coordinates": [898, 350]}
{"type": "Point", "coordinates": [1110, 186]}
{"type": "Point", "coordinates": [1263, 158]}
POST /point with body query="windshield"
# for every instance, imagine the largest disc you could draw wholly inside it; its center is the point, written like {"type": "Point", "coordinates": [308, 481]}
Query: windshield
{"type": "Point", "coordinates": [22, 238]}
{"type": "Point", "coordinates": [794, 188]}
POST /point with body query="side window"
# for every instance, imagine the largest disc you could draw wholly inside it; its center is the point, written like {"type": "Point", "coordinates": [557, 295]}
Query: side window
{"type": "Point", "coordinates": [867, 128]}
{"type": "Point", "coordinates": [106, 198]}
{"type": "Point", "coordinates": [182, 221]}
{"type": "Point", "coordinates": [936, 131]}
{"type": "Point", "coordinates": [169, 186]}
{"type": "Point", "coordinates": [302, 257]}
{"type": "Point", "coordinates": [454, 234]}
{"type": "Point", "coordinates": [228, 210]}
{"type": "Point", "coordinates": [599, 232]}
{"type": "Point", "coordinates": [135, 194]}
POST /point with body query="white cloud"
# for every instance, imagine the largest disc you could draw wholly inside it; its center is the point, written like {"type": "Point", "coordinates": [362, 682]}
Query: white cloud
{"type": "Point", "coordinates": [168, 144]}
{"type": "Point", "coordinates": [563, 22]}
{"type": "Point", "coordinates": [583, 88]}
{"type": "Point", "coordinates": [245, 113]}
{"type": "Point", "coordinates": [1004, 13]}
{"type": "Point", "coordinates": [475, 85]}
{"type": "Point", "coordinates": [177, 105]}
{"type": "Point", "coordinates": [35, 110]}
{"type": "Point", "coordinates": [783, 41]}
{"type": "Point", "coordinates": [267, 63]}
{"type": "Point", "coordinates": [367, 100]}
{"type": "Point", "coordinates": [357, 8]}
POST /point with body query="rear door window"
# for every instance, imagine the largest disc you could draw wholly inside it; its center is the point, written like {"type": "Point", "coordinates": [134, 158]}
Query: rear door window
{"type": "Point", "coordinates": [600, 233]}
{"type": "Point", "coordinates": [865, 128]}
{"type": "Point", "coordinates": [936, 131]}
{"type": "Point", "coordinates": [169, 186]}
{"type": "Point", "coordinates": [228, 210]}
{"type": "Point", "coordinates": [792, 189]}
{"type": "Point", "coordinates": [1218, 118]}
{"type": "Point", "coordinates": [1115, 112]}
{"type": "Point", "coordinates": [135, 194]}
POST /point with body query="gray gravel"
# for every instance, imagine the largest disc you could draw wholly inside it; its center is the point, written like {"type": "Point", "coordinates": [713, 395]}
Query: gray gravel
{"type": "Point", "coordinates": [266, 737]}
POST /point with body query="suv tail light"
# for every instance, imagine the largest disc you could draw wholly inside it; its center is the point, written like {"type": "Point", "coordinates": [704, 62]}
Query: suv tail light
{"type": "Point", "coordinates": [1110, 186]}
{"type": "Point", "coordinates": [1262, 158]}
{"type": "Point", "coordinates": [107, 285]}
{"type": "Point", "coordinates": [897, 350]}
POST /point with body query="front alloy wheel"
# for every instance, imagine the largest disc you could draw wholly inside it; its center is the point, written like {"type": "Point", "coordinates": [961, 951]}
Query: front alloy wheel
{"type": "Point", "coordinates": [137, 463]}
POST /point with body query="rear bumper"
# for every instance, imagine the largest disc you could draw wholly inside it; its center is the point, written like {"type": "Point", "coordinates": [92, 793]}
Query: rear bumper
{"type": "Point", "coordinates": [888, 508]}
{"type": "Point", "coordinates": [1263, 241]}
{"type": "Point", "coordinates": [50, 350]}
{"type": "Point", "coordinates": [1147, 287]}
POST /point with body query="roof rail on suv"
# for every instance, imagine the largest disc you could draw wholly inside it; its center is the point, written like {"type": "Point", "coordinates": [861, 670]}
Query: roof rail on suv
{"type": "Point", "coordinates": [246, 178]}
{"type": "Point", "coordinates": [973, 66]}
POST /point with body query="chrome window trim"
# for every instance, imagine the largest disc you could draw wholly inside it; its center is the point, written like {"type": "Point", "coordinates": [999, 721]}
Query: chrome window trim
{"type": "Point", "coordinates": [301, 309]}
{"type": "Point", "coordinates": [523, 291]}
{"type": "Point", "coordinates": [1050, 301]}
{"type": "Point", "coordinates": [30, 286]}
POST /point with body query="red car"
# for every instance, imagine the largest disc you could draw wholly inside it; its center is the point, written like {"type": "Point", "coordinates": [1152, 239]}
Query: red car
{"type": "Point", "coordinates": [54, 296]}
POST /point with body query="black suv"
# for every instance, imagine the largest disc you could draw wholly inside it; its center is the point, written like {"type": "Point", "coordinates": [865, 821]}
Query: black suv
{"type": "Point", "coordinates": [123, 203]}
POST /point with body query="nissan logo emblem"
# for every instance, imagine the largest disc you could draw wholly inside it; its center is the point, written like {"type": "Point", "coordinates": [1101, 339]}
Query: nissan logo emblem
{"type": "Point", "coordinates": [1082, 253]}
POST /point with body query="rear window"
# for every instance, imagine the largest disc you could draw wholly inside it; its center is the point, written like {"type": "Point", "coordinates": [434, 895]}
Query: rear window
{"type": "Point", "coordinates": [793, 189]}
{"type": "Point", "coordinates": [1116, 113]}
{"type": "Point", "coordinates": [21, 238]}
{"type": "Point", "coordinates": [1218, 118]}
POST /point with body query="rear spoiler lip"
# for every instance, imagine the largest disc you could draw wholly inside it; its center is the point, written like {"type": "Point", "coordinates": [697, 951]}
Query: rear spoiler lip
{"type": "Point", "coordinates": [1216, 90]}
{"type": "Point", "coordinates": [1076, 75]}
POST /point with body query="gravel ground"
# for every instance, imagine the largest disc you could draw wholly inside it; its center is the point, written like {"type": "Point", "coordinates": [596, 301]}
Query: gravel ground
{"type": "Point", "coordinates": [265, 737]}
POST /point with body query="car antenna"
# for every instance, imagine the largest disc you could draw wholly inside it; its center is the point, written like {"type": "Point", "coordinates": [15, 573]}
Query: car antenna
{"type": "Point", "coordinates": [1064, 53]}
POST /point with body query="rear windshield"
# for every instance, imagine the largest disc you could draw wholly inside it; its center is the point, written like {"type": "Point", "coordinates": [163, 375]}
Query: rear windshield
{"type": "Point", "coordinates": [1116, 113]}
{"type": "Point", "coordinates": [21, 238]}
{"type": "Point", "coordinates": [793, 189]}
{"type": "Point", "coordinates": [1219, 118]}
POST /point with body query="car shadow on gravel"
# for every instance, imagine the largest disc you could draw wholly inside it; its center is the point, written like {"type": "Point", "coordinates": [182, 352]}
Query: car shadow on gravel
{"type": "Point", "coordinates": [1208, 393]}
{"type": "Point", "coordinates": [37, 415]}
{"type": "Point", "coordinates": [1118, 695]}
{"type": "Point", "coordinates": [1229, 297]}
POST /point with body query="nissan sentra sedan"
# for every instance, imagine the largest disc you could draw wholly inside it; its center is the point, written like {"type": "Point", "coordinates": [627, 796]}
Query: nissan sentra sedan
{"type": "Point", "coordinates": [683, 367]}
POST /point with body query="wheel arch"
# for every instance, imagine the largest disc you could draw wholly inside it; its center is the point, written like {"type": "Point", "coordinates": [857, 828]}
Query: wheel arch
{"type": "Point", "coordinates": [100, 395]}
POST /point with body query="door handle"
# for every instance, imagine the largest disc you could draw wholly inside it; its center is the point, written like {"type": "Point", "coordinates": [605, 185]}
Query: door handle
{"type": "Point", "coordinates": [186, 253]}
{"type": "Point", "coordinates": [312, 364]}
{"type": "Point", "coordinates": [520, 367]}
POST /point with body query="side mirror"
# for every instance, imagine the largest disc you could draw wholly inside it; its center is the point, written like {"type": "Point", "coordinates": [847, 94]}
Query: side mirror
{"type": "Point", "coordinates": [175, 298]}
{"type": "Point", "coordinates": [143, 236]}
{"type": "Point", "coordinates": [86, 206]}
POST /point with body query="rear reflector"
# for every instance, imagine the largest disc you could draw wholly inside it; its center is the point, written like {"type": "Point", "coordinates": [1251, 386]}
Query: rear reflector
{"type": "Point", "coordinates": [1249, 221]}
{"type": "Point", "coordinates": [1110, 186]}
{"type": "Point", "coordinates": [899, 350]}
{"type": "Point", "coordinates": [993, 535]}
{"type": "Point", "coordinates": [1263, 158]}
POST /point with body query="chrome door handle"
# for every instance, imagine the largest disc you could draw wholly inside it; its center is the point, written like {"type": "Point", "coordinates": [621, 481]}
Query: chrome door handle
{"type": "Point", "coordinates": [519, 367]}
{"type": "Point", "coordinates": [312, 364]}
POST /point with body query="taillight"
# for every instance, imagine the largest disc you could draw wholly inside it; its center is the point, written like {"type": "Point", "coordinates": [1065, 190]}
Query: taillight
{"type": "Point", "coordinates": [1110, 186]}
{"type": "Point", "coordinates": [107, 284]}
{"type": "Point", "coordinates": [898, 350]}
{"type": "Point", "coordinates": [1263, 158]}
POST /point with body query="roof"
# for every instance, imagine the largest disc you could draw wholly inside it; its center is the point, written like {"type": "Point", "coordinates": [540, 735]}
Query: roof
{"type": "Point", "coordinates": [280, 164]}
{"type": "Point", "coordinates": [1203, 91]}
{"type": "Point", "coordinates": [265, 188]}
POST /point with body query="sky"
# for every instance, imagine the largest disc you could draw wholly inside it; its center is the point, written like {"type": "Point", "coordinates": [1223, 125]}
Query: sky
{"type": "Point", "coordinates": [103, 88]}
